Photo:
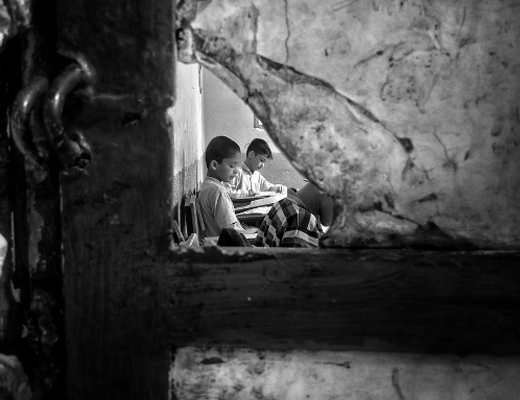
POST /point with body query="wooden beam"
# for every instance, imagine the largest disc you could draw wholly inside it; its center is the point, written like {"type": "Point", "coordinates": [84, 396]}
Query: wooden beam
{"type": "Point", "coordinates": [120, 210]}
{"type": "Point", "coordinates": [428, 302]}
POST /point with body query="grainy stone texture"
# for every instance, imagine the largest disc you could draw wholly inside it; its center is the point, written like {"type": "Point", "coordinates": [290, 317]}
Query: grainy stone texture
{"type": "Point", "coordinates": [294, 375]}
{"type": "Point", "coordinates": [405, 111]}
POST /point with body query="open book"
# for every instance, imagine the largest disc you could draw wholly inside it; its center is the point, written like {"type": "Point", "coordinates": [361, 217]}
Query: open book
{"type": "Point", "coordinates": [247, 199]}
{"type": "Point", "coordinates": [262, 199]}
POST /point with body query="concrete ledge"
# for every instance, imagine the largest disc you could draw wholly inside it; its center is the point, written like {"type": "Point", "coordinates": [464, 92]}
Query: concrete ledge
{"type": "Point", "coordinates": [227, 373]}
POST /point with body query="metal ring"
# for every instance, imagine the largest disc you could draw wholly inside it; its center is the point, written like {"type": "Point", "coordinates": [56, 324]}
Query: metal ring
{"type": "Point", "coordinates": [20, 112]}
{"type": "Point", "coordinates": [55, 101]}
{"type": "Point", "coordinates": [73, 154]}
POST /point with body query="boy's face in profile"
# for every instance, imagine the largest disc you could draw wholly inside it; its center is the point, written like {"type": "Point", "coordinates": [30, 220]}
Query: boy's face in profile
{"type": "Point", "coordinates": [256, 161]}
{"type": "Point", "coordinates": [226, 170]}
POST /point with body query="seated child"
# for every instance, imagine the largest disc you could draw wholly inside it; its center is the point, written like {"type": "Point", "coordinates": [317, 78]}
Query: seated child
{"type": "Point", "coordinates": [222, 159]}
{"type": "Point", "coordinates": [296, 221]}
{"type": "Point", "coordinates": [249, 181]}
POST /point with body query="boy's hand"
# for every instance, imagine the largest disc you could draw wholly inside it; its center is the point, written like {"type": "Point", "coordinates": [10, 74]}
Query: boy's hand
{"type": "Point", "coordinates": [252, 192]}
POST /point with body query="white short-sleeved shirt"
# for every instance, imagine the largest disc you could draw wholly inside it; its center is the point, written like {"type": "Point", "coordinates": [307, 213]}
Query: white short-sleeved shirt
{"type": "Point", "coordinates": [247, 180]}
{"type": "Point", "coordinates": [216, 206]}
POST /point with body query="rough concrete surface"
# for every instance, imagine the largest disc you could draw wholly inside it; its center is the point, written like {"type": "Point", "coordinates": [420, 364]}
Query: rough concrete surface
{"type": "Point", "coordinates": [405, 111]}
{"type": "Point", "coordinates": [295, 375]}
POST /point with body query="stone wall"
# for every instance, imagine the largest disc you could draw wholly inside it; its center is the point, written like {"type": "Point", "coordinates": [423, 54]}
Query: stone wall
{"type": "Point", "coordinates": [405, 111]}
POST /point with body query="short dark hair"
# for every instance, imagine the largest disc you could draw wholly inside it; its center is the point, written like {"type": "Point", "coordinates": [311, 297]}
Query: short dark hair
{"type": "Point", "coordinates": [260, 147]}
{"type": "Point", "coordinates": [221, 147]}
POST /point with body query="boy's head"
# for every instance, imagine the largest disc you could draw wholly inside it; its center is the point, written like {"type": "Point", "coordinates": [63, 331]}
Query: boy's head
{"type": "Point", "coordinates": [222, 158]}
{"type": "Point", "coordinates": [257, 154]}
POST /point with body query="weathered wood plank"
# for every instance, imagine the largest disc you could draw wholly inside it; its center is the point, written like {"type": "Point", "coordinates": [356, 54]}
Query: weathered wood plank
{"type": "Point", "coordinates": [119, 212]}
{"type": "Point", "coordinates": [429, 302]}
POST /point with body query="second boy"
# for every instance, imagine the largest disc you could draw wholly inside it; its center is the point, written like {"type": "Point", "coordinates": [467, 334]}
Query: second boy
{"type": "Point", "coordinates": [248, 180]}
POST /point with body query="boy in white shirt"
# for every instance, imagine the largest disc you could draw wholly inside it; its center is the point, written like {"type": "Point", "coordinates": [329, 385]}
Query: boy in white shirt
{"type": "Point", "coordinates": [248, 180]}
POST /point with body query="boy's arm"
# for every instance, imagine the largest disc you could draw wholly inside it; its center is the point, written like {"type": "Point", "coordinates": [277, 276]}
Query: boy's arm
{"type": "Point", "coordinates": [236, 193]}
{"type": "Point", "coordinates": [266, 186]}
{"type": "Point", "coordinates": [235, 225]}
{"type": "Point", "coordinates": [224, 213]}
{"type": "Point", "coordinates": [232, 191]}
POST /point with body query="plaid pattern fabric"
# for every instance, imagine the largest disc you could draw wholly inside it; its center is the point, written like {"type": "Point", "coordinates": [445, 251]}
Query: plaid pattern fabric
{"type": "Point", "coordinates": [289, 224]}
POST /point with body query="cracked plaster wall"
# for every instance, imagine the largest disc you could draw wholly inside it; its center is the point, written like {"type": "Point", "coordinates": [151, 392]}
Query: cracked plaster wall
{"type": "Point", "coordinates": [407, 112]}
{"type": "Point", "coordinates": [188, 141]}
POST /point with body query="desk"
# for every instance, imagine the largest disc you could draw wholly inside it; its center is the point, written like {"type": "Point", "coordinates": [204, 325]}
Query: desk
{"type": "Point", "coordinates": [254, 216]}
{"type": "Point", "coordinates": [252, 210]}
{"type": "Point", "coordinates": [250, 235]}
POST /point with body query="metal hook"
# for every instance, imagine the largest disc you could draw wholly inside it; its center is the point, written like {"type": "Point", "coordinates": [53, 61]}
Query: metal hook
{"type": "Point", "coordinates": [73, 150]}
{"type": "Point", "coordinates": [20, 112]}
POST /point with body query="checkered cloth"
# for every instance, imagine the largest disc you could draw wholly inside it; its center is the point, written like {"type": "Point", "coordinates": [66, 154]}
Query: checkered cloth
{"type": "Point", "coordinates": [289, 224]}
